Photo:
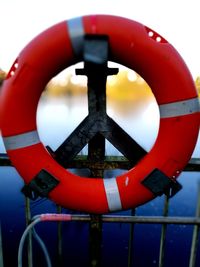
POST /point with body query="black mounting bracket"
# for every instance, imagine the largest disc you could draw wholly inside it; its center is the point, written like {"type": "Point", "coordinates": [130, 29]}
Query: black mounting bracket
{"type": "Point", "coordinates": [41, 185]}
{"type": "Point", "coordinates": [158, 183]}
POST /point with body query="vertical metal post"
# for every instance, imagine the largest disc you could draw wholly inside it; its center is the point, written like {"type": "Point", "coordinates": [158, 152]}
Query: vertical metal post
{"type": "Point", "coordinates": [195, 237]}
{"type": "Point", "coordinates": [1, 248]}
{"type": "Point", "coordinates": [28, 219]}
{"type": "Point", "coordinates": [163, 233]}
{"type": "Point", "coordinates": [95, 240]}
{"type": "Point", "coordinates": [95, 68]}
{"type": "Point", "coordinates": [130, 243]}
{"type": "Point", "coordinates": [59, 233]}
{"type": "Point", "coordinates": [96, 152]}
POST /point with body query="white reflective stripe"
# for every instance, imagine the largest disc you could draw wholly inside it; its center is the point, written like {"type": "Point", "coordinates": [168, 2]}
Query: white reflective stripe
{"type": "Point", "coordinates": [76, 32]}
{"type": "Point", "coordinates": [112, 194]}
{"type": "Point", "coordinates": [179, 108]}
{"type": "Point", "coordinates": [21, 140]}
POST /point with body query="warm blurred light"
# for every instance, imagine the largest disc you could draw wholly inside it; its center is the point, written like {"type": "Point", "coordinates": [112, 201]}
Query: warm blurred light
{"type": "Point", "coordinates": [197, 83]}
{"type": "Point", "coordinates": [132, 76]}
{"type": "Point", "coordinates": [127, 85]}
{"type": "Point", "coordinates": [79, 80]}
{"type": "Point", "coordinates": [2, 76]}
{"type": "Point", "coordinates": [61, 78]}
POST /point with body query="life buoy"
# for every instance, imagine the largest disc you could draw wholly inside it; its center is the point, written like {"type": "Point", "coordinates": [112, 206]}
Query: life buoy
{"type": "Point", "coordinates": [133, 45]}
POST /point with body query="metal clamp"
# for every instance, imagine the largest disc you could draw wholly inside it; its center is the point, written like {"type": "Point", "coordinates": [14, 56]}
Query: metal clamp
{"type": "Point", "coordinates": [158, 183]}
{"type": "Point", "coordinates": [41, 185]}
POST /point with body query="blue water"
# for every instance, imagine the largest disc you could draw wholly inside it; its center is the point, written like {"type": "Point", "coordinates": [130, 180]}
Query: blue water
{"type": "Point", "coordinates": [56, 120]}
{"type": "Point", "coordinates": [115, 236]}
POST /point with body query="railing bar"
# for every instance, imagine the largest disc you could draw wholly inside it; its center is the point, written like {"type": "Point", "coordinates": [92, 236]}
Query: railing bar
{"type": "Point", "coordinates": [28, 220]}
{"type": "Point", "coordinates": [192, 166]}
{"type": "Point", "coordinates": [130, 242]}
{"type": "Point", "coordinates": [141, 219]}
{"type": "Point", "coordinates": [195, 237]}
{"type": "Point", "coordinates": [1, 248]}
{"type": "Point", "coordinates": [163, 233]}
{"type": "Point", "coordinates": [60, 240]}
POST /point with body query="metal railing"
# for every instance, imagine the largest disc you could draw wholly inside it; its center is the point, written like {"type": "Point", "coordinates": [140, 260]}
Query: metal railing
{"type": "Point", "coordinates": [164, 220]}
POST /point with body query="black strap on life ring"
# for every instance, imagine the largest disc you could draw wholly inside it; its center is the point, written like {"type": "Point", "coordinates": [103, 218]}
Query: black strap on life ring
{"type": "Point", "coordinates": [160, 184]}
{"type": "Point", "coordinates": [40, 186]}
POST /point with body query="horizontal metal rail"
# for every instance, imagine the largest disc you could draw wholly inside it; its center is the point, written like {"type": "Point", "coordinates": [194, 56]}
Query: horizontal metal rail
{"type": "Point", "coordinates": [140, 219]}
{"type": "Point", "coordinates": [110, 162]}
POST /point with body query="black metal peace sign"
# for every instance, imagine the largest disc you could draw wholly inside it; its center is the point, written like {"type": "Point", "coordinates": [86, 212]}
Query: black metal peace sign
{"type": "Point", "coordinates": [97, 126]}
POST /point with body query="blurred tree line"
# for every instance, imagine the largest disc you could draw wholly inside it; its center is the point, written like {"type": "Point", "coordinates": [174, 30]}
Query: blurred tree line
{"type": "Point", "coordinates": [2, 76]}
{"type": "Point", "coordinates": [197, 83]}
{"type": "Point", "coordinates": [119, 86]}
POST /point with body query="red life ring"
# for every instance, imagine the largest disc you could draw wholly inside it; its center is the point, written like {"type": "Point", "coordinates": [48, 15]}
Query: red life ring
{"type": "Point", "coordinates": [133, 45]}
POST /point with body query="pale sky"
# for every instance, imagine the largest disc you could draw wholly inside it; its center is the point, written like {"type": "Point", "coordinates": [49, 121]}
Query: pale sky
{"type": "Point", "coordinates": [177, 21]}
